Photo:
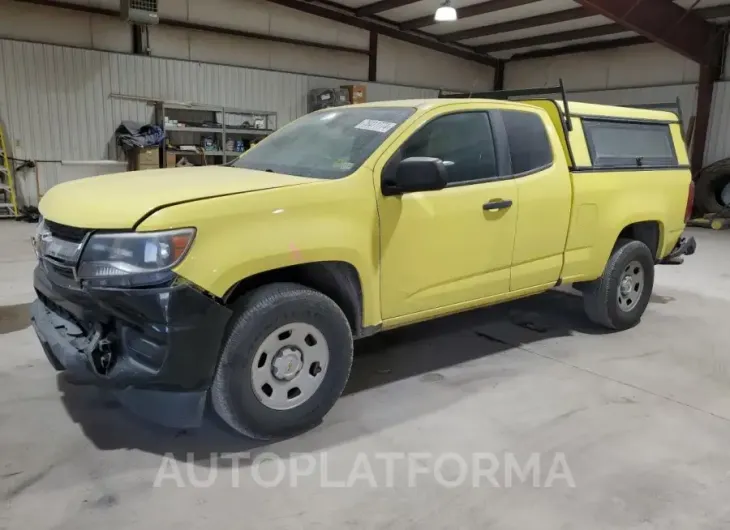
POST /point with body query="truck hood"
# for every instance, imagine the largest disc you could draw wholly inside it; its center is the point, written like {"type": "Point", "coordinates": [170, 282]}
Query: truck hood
{"type": "Point", "coordinates": [120, 200]}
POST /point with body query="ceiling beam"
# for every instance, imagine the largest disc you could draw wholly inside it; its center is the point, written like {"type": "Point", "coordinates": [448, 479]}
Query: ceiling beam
{"type": "Point", "coordinates": [586, 33]}
{"type": "Point", "coordinates": [347, 16]}
{"type": "Point", "coordinates": [666, 23]}
{"type": "Point", "coordinates": [516, 25]}
{"type": "Point", "coordinates": [382, 5]}
{"type": "Point", "coordinates": [466, 12]}
{"type": "Point", "coordinates": [579, 48]}
{"type": "Point", "coordinates": [552, 38]}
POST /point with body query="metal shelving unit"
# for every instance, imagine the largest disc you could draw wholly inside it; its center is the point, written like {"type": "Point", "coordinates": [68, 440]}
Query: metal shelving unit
{"type": "Point", "coordinates": [189, 124]}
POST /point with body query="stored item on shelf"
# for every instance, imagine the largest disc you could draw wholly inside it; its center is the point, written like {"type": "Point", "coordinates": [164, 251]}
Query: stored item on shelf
{"type": "Point", "coordinates": [144, 158]}
{"type": "Point", "coordinates": [239, 146]}
{"type": "Point", "coordinates": [170, 159]}
{"type": "Point", "coordinates": [232, 119]}
{"type": "Point", "coordinates": [207, 143]}
{"type": "Point", "coordinates": [358, 93]}
{"type": "Point", "coordinates": [342, 97]}
{"type": "Point", "coordinates": [230, 144]}
{"type": "Point", "coordinates": [321, 98]}
{"type": "Point", "coordinates": [259, 123]}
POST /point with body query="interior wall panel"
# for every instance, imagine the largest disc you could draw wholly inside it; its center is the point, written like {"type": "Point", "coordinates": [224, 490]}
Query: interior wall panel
{"type": "Point", "coordinates": [406, 64]}
{"type": "Point", "coordinates": [21, 20]}
{"type": "Point", "coordinates": [718, 138]}
{"type": "Point", "coordinates": [377, 91]}
{"type": "Point", "coordinates": [56, 102]}
{"type": "Point", "coordinates": [643, 65]}
{"type": "Point", "coordinates": [260, 16]}
{"type": "Point", "coordinates": [263, 18]}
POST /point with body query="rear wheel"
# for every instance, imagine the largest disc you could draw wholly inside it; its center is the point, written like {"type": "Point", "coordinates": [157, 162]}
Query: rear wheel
{"type": "Point", "coordinates": [285, 361]}
{"type": "Point", "coordinates": [617, 299]}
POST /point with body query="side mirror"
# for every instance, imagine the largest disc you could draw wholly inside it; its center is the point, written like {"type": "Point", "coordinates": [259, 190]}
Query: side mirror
{"type": "Point", "coordinates": [416, 174]}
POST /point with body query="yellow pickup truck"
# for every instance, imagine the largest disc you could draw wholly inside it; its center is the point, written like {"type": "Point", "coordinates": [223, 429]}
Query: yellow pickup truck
{"type": "Point", "coordinates": [248, 283]}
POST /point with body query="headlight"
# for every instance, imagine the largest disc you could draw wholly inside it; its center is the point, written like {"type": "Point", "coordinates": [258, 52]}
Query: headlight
{"type": "Point", "coordinates": [36, 238]}
{"type": "Point", "coordinates": [133, 259]}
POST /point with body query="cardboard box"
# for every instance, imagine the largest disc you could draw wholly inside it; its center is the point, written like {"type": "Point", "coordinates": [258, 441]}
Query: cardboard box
{"type": "Point", "coordinates": [171, 159]}
{"type": "Point", "coordinates": [144, 158]}
{"type": "Point", "coordinates": [358, 93]}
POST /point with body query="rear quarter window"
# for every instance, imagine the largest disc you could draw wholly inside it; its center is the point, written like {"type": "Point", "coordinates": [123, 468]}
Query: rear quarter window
{"type": "Point", "coordinates": [529, 145]}
{"type": "Point", "coordinates": [629, 144]}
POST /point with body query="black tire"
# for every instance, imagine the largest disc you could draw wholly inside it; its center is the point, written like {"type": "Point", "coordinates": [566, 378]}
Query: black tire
{"type": "Point", "coordinates": [261, 313]}
{"type": "Point", "coordinates": [710, 183]}
{"type": "Point", "coordinates": [600, 297]}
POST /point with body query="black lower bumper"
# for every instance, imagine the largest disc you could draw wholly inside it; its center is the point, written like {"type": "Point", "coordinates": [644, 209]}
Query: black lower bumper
{"type": "Point", "coordinates": [156, 348]}
{"type": "Point", "coordinates": [686, 246]}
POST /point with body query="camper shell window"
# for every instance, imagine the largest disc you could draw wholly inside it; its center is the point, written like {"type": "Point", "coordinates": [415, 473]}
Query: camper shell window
{"type": "Point", "coordinates": [629, 144]}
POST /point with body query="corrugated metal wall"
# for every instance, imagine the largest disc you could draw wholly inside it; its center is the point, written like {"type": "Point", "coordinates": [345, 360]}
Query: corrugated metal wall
{"type": "Point", "coordinates": [643, 65]}
{"type": "Point", "coordinates": [56, 106]}
{"type": "Point", "coordinates": [718, 139]}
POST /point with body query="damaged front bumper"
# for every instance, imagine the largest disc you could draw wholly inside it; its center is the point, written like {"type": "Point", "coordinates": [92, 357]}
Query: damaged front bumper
{"type": "Point", "coordinates": [686, 246]}
{"type": "Point", "coordinates": [156, 348]}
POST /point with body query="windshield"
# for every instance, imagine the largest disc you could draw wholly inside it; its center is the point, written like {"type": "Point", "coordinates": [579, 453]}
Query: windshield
{"type": "Point", "coordinates": [329, 144]}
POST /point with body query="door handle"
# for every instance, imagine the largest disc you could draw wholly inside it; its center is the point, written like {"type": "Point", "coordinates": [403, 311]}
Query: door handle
{"type": "Point", "coordinates": [497, 205]}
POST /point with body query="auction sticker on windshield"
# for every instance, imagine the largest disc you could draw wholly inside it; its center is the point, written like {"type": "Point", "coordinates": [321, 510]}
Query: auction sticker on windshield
{"type": "Point", "coordinates": [375, 125]}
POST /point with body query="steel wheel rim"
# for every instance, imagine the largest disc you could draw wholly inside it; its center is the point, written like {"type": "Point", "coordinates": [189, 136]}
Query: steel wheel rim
{"type": "Point", "coordinates": [630, 286]}
{"type": "Point", "coordinates": [724, 195]}
{"type": "Point", "coordinates": [289, 366]}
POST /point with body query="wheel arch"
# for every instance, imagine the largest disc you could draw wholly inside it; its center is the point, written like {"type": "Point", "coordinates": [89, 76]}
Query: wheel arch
{"type": "Point", "coordinates": [338, 280]}
{"type": "Point", "coordinates": [650, 232]}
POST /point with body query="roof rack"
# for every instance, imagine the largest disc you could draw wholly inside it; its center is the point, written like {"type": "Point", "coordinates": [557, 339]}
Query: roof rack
{"type": "Point", "coordinates": [522, 92]}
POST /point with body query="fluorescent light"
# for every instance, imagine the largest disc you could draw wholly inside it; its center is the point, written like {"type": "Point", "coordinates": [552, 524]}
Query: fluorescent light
{"type": "Point", "coordinates": [445, 13]}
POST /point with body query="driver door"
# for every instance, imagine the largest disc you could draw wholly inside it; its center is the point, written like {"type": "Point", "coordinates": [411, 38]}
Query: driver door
{"type": "Point", "coordinates": [446, 250]}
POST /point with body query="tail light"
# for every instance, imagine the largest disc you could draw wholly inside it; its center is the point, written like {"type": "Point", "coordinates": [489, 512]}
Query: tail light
{"type": "Point", "coordinates": [690, 202]}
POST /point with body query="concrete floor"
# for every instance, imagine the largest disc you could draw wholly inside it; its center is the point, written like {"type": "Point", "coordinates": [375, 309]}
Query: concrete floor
{"type": "Point", "coordinates": [642, 418]}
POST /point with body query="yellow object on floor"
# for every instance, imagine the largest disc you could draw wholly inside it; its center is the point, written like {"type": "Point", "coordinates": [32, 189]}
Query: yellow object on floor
{"type": "Point", "coordinates": [9, 206]}
{"type": "Point", "coordinates": [716, 223]}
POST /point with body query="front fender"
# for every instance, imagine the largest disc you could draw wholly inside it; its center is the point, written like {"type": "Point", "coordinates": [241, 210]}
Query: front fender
{"type": "Point", "coordinates": [243, 235]}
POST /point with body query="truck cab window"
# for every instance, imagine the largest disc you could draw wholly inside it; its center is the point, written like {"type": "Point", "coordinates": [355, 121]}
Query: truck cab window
{"type": "Point", "coordinates": [463, 141]}
{"type": "Point", "coordinates": [528, 141]}
{"type": "Point", "coordinates": [327, 144]}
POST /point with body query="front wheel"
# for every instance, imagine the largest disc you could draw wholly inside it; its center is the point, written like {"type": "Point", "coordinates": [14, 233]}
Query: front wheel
{"type": "Point", "coordinates": [617, 299]}
{"type": "Point", "coordinates": [285, 361]}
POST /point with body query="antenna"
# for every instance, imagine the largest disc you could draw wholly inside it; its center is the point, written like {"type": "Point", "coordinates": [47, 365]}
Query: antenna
{"type": "Point", "coordinates": [471, 90]}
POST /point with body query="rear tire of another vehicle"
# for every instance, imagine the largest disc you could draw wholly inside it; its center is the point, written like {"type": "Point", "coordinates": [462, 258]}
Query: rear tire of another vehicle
{"type": "Point", "coordinates": [285, 361]}
{"type": "Point", "coordinates": [618, 299]}
{"type": "Point", "coordinates": [710, 190]}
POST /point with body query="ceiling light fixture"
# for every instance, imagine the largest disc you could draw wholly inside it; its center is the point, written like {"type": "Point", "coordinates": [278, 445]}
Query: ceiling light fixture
{"type": "Point", "coordinates": [445, 13]}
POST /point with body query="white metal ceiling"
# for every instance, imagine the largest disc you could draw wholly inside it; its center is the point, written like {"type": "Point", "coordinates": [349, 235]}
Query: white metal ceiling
{"type": "Point", "coordinates": [424, 8]}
